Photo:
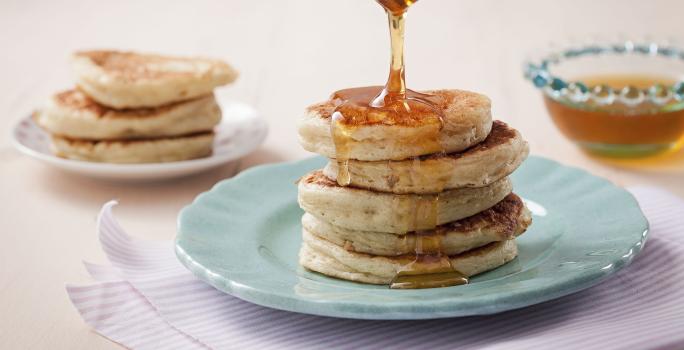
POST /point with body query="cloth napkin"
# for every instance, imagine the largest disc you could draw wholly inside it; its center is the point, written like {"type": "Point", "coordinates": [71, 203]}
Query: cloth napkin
{"type": "Point", "coordinates": [145, 299]}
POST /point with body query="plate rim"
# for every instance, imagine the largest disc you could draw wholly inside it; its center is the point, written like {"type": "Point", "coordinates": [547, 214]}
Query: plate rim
{"type": "Point", "coordinates": [401, 311]}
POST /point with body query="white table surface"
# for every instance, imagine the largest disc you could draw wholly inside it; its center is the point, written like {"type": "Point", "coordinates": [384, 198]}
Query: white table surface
{"type": "Point", "coordinates": [290, 53]}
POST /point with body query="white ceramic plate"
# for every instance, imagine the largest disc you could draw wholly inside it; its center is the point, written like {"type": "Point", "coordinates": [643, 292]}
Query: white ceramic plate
{"type": "Point", "coordinates": [241, 131]}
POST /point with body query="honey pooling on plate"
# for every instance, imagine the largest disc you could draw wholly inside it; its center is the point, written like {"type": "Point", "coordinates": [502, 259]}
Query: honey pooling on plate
{"type": "Point", "coordinates": [431, 267]}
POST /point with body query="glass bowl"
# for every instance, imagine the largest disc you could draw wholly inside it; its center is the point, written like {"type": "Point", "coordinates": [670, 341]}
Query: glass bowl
{"type": "Point", "coordinates": [621, 98]}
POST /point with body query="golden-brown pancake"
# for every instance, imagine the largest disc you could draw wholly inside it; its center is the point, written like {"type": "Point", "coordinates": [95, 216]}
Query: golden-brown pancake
{"type": "Point", "coordinates": [72, 114]}
{"type": "Point", "coordinates": [367, 210]}
{"type": "Point", "coordinates": [168, 149]}
{"type": "Point", "coordinates": [496, 157]}
{"type": "Point", "coordinates": [319, 255]}
{"type": "Point", "coordinates": [506, 220]}
{"type": "Point", "coordinates": [133, 80]}
{"type": "Point", "coordinates": [466, 121]}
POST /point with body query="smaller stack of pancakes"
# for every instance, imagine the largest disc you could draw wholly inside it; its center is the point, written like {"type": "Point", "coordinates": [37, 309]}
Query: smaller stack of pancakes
{"type": "Point", "coordinates": [136, 108]}
{"type": "Point", "coordinates": [408, 196]}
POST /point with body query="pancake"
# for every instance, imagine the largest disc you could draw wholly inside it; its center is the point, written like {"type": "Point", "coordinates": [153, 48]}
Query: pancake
{"type": "Point", "coordinates": [366, 210]}
{"type": "Point", "coordinates": [506, 220]}
{"type": "Point", "coordinates": [319, 255]}
{"type": "Point", "coordinates": [496, 157]}
{"type": "Point", "coordinates": [133, 80]}
{"type": "Point", "coordinates": [73, 114]}
{"type": "Point", "coordinates": [467, 121]}
{"type": "Point", "coordinates": [160, 150]}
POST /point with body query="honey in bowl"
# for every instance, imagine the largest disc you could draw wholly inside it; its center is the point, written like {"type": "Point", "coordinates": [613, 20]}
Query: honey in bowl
{"type": "Point", "coordinates": [621, 98]}
{"type": "Point", "coordinates": [616, 128]}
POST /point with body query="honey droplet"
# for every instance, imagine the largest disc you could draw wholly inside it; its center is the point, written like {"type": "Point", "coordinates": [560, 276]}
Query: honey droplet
{"type": "Point", "coordinates": [341, 136]}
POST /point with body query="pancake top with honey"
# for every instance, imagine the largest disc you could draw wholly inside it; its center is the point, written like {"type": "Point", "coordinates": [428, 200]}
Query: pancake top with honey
{"type": "Point", "coordinates": [354, 105]}
{"type": "Point", "coordinates": [341, 128]}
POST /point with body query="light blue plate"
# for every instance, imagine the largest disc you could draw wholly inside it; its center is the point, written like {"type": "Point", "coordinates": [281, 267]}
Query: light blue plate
{"type": "Point", "coordinates": [243, 236]}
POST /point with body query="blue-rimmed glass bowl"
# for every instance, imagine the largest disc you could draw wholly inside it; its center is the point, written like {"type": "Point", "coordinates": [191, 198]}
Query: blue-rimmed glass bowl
{"type": "Point", "coordinates": [621, 98]}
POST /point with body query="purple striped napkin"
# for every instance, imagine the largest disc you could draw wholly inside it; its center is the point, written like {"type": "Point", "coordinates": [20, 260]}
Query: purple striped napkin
{"type": "Point", "coordinates": [147, 300]}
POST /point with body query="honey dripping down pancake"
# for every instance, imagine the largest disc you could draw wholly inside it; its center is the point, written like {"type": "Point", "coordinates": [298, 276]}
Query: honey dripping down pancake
{"type": "Point", "coordinates": [394, 104]}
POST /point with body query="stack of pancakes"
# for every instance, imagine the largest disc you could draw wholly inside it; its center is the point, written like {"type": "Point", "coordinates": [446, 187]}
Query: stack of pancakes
{"type": "Point", "coordinates": [403, 187]}
{"type": "Point", "coordinates": [136, 108]}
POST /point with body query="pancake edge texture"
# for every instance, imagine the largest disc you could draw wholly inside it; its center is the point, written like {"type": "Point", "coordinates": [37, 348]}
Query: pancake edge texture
{"type": "Point", "coordinates": [72, 114]}
{"type": "Point", "coordinates": [321, 256]}
{"type": "Point", "coordinates": [496, 157]}
{"type": "Point", "coordinates": [139, 151]}
{"type": "Point", "coordinates": [506, 220]}
{"type": "Point", "coordinates": [365, 210]}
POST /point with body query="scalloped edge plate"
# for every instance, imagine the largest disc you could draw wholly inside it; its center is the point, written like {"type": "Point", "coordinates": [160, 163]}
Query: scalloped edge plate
{"type": "Point", "coordinates": [243, 235]}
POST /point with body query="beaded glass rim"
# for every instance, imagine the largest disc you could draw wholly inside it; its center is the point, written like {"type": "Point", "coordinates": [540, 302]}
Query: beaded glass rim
{"type": "Point", "coordinates": [577, 92]}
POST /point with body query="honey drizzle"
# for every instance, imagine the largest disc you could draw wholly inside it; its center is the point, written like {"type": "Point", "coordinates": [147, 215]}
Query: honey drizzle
{"type": "Point", "coordinates": [391, 105]}
{"type": "Point", "coordinates": [425, 207]}
{"type": "Point", "coordinates": [341, 136]}
{"type": "Point", "coordinates": [431, 268]}
{"type": "Point", "coordinates": [395, 88]}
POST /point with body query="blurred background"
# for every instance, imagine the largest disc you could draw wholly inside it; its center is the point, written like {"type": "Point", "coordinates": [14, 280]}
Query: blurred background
{"type": "Point", "coordinates": [290, 53]}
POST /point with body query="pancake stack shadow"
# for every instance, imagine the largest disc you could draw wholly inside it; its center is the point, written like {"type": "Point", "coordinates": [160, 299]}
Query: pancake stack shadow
{"type": "Point", "coordinates": [406, 207]}
{"type": "Point", "coordinates": [136, 108]}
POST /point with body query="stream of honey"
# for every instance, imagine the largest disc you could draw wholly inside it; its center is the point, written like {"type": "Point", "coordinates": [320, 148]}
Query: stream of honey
{"type": "Point", "coordinates": [394, 104]}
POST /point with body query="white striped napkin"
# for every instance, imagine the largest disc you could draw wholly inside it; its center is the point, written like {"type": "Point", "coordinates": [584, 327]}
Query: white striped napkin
{"type": "Point", "coordinates": [147, 300]}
